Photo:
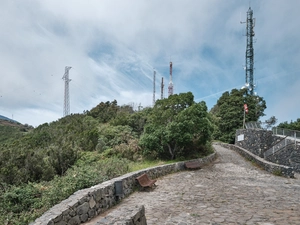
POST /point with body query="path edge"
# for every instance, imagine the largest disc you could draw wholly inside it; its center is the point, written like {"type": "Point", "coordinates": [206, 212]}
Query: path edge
{"type": "Point", "coordinates": [270, 167]}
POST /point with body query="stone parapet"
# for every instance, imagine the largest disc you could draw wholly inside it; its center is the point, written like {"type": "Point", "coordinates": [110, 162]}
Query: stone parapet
{"type": "Point", "coordinates": [276, 149]}
{"type": "Point", "coordinates": [87, 203]}
{"type": "Point", "coordinates": [271, 167]}
{"type": "Point", "coordinates": [288, 156]}
{"type": "Point", "coordinates": [125, 216]}
{"type": "Point", "coordinates": [256, 141]}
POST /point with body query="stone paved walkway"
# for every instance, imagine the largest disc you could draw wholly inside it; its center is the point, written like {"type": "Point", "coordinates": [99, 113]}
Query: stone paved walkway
{"type": "Point", "coordinates": [230, 191]}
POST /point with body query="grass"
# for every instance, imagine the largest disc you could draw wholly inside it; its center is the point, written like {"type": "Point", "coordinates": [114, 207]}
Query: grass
{"type": "Point", "coordinates": [135, 166]}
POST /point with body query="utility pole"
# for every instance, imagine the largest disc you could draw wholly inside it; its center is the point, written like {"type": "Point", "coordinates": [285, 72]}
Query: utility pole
{"type": "Point", "coordinates": [66, 95]}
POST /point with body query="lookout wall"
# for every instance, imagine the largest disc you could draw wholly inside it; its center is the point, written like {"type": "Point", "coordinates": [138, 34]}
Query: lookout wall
{"type": "Point", "coordinates": [258, 142]}
{"type": "Point", "coordinates": [85, 204]}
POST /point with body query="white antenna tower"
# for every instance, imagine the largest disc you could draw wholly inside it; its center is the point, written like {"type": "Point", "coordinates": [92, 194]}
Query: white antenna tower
{"type": "Point", "coordinates": [162, 88]}
{"type": "Point", "coordinates": [66, 96]}
{"type": "Point", "coordinates": [154, 73]}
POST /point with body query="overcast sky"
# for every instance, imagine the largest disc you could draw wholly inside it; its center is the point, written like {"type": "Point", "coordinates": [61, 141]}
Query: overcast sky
{"type": "Point", "coordinates": [113, 46]}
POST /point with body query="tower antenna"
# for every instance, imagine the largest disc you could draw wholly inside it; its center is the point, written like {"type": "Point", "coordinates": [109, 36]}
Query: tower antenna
{"type": "Point", "coordinates": [249, 68]}
{"type": "Point", "coordinates": [162, 88]}
{"type": "Point", "coordinates": [66, 96]}
{"type": "Point", "coordinates": [170, 88]}
{"type": "Point", "coordinates": [154, 73]}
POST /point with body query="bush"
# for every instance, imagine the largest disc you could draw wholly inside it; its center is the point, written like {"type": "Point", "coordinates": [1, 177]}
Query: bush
{"type": "Point", "coordinates": [22, 204]}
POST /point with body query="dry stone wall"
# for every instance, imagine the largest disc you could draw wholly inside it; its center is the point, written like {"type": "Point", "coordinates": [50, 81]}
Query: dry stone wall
{"type": "Point", "coordinates": [289, 156]}
{"type": "Point", "coordinates": [259, 142]}
{"type": "Point", "coordinates": [85, 204]}
{"type": "Point", "coordinates": [256, 141]}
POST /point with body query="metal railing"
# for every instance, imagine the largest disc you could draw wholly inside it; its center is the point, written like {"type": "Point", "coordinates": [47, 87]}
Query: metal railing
{"type": "Point", "coordinates": [278, 146]}
{"type": "Point", "coordinates": [253, 125]}
{"type": "Point", "coordinates": [290, 137]}
{"type": "Point", "coordinates": [294, 134]}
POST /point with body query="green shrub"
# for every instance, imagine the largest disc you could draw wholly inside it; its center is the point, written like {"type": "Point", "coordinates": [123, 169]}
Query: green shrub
{"type": "Point", "coordinates": [22, 204]}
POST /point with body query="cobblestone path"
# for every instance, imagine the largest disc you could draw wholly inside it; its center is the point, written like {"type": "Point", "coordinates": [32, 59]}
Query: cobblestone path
{"type": "Point", "coordinates": [230, 191]}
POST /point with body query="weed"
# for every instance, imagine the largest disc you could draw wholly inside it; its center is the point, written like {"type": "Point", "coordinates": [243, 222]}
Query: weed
{"type": "Point", "coordinates": [277, 172]}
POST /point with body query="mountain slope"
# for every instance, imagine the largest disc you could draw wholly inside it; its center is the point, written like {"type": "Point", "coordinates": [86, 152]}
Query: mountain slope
{"type": "Point", "coordinates": [7, 119]}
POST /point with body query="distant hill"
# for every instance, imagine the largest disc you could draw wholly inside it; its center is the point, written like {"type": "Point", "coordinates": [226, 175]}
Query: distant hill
{"type": "Point", "coordinates": [7, 119]}
{"type": "Point", "coordinates": [11, 129]}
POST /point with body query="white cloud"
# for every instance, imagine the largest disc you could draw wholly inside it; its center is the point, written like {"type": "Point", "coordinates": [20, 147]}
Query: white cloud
{"type": "Point", "coordinates": [114, 45]}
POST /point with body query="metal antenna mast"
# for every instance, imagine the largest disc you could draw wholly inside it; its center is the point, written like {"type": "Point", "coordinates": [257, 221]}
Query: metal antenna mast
{"type": "Point", "coordinates": [250, 23]}
{"type": "Point", "coordinates": [170, 88]}
{"type": "Point", "coordinates": [66, 96]}
{"type": "Point", "coordinates": [162, 88]}
{"type": "Point", "coordinates": [154, 73]}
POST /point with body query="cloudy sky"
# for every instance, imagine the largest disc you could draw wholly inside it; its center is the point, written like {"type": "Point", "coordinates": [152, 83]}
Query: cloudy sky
{"type": "Point", "coordinates": [114, 45]}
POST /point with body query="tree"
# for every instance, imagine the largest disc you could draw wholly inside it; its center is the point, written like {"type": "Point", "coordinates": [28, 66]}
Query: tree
{"type": "Point", "coordinates": [270, 122]}
{"type": "Point", "coordinates": [104, 112]}
{"type": "Point", "coordinates": [176, 123]}
{"type": "Point", "coordinates": [293, 125]}
{"type": "Point", "coordinates": [229, 112]}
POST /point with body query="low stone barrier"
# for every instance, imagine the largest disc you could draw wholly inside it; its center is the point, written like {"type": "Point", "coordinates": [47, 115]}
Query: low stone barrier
{"type": "Point", "coordinates": [125, 216]}
{"type": "Point", "coordinates": [87, 203]}
{"type": "Point", "coordinates": [256, 141]}
{"type": "Point", "coordinates": [274, 168]}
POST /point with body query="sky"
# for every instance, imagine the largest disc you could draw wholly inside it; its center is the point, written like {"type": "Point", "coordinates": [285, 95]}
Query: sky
{"type": "Point", "coordinates": [113, 47]}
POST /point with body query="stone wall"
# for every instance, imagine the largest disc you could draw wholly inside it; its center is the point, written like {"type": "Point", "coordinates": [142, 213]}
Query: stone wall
{"type": "Point", "coordinates": [288, 156]}
{"type": "Point", "coordinates": [85, 204]}
{"type": "Point", "coordinates": [125, 216]}
{"type": "Point", "coordinates": [256, 141]}
{"type": "Point", "coordinates": [268, 166]}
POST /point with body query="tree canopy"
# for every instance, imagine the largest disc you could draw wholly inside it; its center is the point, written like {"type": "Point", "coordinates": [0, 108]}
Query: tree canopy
{"type": "Point", "coordinates": [176, 125]}
{"type": "Point", "coordinates": [293, 125]}
{"type": "Point", "coordinates": [229, 112]}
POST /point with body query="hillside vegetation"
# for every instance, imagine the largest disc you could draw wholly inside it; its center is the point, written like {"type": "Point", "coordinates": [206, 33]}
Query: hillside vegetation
{"type": "Point", "coordinates": [11, 130]}
{"type": "Point", "coordinates": [41, 167]}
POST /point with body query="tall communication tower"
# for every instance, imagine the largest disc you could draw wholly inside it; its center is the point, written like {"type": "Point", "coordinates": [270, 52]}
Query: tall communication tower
{"type": "Point", "coordinates": [170, 87]}
{"type": "Point", "coordinates": [162, 88]}
{"type": "Point", "coordinates": [154, 73]}
{"type": "Point", "coordinates": [66, 96]}
{"type": "Point", "coordinates": [249, 68]}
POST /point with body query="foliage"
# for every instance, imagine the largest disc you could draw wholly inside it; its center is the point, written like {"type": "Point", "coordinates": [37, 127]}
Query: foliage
{"type": "Point", "coordinates": [293, 125]}
{"type": "Point", "coordinates": [104, 112]}
{"type": "Point", "coordinates": [22, 204]}
{"type": "Point", "coordinates": [229, 112]}
{"type": "Point", "coordinates": [137, 120]}
{"type": "Point", "coordinates": [270, 122]}
{"type": "Point", "coordinates": [40, 167]}
{"type": "Point", "coordinates": [176, 125]}
{"type": "Point", "coordinates": [10, 131]}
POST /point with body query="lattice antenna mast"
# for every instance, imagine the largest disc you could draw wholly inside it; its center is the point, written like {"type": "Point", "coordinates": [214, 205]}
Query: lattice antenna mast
{"type": "Point", "coordinates": [154, 73]}
{"type": "Point", "coordinates": [66, 96]}
{"type": "Point", "coordinates": [162, 88]}
{"type": "Point", "coordinates": [250, 23]}
{"type": "Point", "coordinates": [170, 88]}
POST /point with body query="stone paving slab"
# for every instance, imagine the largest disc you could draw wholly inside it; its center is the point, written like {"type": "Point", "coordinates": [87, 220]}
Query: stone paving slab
{"type": "Point", "coordinates": [229, 191]}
